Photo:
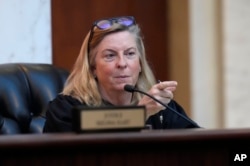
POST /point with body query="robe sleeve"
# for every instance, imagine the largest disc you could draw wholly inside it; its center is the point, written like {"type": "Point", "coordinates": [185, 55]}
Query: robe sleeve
{"type": "Point", "coordinates": [171, 120]}
{"type": "Point", "coordinates": [59, 115]}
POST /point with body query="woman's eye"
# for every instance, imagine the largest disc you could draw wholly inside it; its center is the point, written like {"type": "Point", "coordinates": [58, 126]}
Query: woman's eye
{"type": "Point", "coordinates": [131, 54]}
{"type": "Point", "coordinates": [109, 56]}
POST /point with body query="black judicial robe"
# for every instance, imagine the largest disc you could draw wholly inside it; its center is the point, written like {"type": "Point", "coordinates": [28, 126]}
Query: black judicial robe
{"type": "Point", "coordinates": [59, 116]}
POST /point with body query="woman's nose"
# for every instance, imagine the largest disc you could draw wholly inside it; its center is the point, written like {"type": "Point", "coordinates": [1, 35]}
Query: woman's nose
{"type": "Point", "coordinates": [122, 62]}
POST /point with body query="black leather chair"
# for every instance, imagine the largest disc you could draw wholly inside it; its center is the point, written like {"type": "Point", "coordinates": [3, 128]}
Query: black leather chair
{"type": "Point", "coordinates": [25, 90]}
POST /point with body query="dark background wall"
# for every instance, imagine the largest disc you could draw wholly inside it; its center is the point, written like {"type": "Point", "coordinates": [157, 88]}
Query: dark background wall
{"type": "Point", "coordinates": [164, 25]}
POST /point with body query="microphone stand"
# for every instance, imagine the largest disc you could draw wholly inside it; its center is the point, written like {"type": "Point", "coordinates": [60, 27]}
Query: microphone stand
{"type": "Point", "coordinates": [186, 118]}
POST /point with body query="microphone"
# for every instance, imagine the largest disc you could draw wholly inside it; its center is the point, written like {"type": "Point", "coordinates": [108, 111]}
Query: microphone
{"type": "Point", "coordinates": [130, 88]}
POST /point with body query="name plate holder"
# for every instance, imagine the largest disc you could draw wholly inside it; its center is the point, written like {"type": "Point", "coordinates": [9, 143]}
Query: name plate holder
{"type": "Point", "coordinates": [108, 119]}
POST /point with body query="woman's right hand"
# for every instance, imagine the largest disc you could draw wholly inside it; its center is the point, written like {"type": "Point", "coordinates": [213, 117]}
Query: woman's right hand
{"type": "Point", "coordinates": [162, 91]}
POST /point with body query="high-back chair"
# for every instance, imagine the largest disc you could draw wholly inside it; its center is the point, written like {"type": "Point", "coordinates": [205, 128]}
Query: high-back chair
{"type": "Point", "coordinates": [25, 90]}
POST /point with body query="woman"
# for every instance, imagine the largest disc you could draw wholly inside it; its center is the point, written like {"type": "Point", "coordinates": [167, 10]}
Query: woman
{"type": "Point", "coordinates": [113, 55]}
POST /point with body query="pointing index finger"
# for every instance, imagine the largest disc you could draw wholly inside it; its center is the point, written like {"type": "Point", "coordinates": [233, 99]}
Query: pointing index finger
{"type": "Point", "coordinates": [166, 84]}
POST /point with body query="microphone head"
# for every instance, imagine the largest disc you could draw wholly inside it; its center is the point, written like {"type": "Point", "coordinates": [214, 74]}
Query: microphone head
{"type": "Point", "coordinates": [129, 88]}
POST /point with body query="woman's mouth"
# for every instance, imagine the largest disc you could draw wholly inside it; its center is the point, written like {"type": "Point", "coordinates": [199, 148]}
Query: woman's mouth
{"type": "Point", "coordinates": [121, 78]}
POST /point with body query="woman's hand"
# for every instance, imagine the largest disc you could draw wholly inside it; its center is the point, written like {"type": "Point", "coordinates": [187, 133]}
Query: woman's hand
{"type": "Point", "coordinates": [162, 91]}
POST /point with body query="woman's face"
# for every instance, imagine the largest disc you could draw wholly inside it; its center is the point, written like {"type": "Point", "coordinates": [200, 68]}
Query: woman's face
{"type": "Point", "coordinates": [117, 61]}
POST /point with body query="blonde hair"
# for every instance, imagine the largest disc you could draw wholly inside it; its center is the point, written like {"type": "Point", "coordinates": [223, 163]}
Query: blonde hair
{"type": "Point", "coordinates": [81, 83]}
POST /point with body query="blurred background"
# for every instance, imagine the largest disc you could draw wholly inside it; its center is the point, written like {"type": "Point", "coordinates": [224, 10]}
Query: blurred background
{"type": "Point", "coordinates": [202, 44]}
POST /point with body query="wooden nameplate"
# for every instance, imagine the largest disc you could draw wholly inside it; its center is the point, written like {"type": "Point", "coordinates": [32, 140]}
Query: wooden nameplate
{"type": "Point", "coordinates": [104, 119]}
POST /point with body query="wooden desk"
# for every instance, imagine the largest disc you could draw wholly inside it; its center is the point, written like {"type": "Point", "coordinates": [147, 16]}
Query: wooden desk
{"type": "Point", "coordinates": [153, 147]}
